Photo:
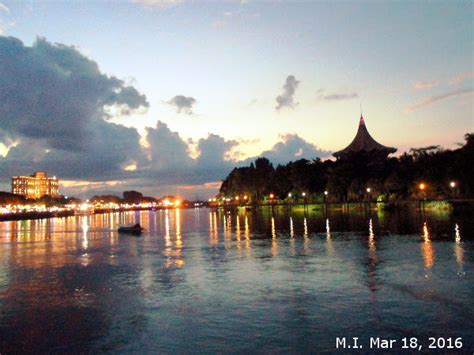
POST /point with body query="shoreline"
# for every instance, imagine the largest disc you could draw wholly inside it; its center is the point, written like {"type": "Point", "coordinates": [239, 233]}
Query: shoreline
{"type": "Point", "coordinates": [432, 206]}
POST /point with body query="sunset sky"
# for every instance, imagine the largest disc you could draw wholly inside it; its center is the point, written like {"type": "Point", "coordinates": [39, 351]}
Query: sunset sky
{"type": "Point", "coordinates": [166, 96]}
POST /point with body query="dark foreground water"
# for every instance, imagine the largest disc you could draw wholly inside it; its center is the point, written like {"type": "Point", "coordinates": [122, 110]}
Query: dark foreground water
{"type": "Point", "coordinates": [204, 281]}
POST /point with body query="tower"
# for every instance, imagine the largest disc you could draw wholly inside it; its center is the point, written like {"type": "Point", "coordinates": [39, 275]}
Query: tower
{"type": "Point", "coordinates": [364, 143]}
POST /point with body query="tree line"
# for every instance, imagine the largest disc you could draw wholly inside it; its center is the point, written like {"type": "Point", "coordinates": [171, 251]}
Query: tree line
{"type": "Point", "coordinates": [421, 173]}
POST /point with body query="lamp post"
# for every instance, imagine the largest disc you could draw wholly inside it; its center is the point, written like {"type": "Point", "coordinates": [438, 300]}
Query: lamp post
{"type": "Point", "coordinates": [325, 197]}
{"type": "Point", "coordinates": [453, 186]}
{"type": "Point", "coordinates": [422, 187]}
{"type": "Point", "coordinates": [272, 196]}
{"type": "Point", "coordinates": [368, 197]}
{"type": "Point", "coordinates": [304, 200]}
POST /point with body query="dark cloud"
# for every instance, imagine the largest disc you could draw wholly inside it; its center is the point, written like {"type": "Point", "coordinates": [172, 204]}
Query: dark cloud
{"type": "Point", "coordinates": [52, 92]}
{"type": "Point", "coordinates": [53, 104]}
{"type": "Point", "coordinates": [291, 147]}
{"type": "Point", "coordinates": [171, 161]}
{"type": "Point", "coordinates": [183, 104]}
{"type": "Point", "coordinates": [286, 98]}
{"type": "Point", "coordinates": [112, 147]}
{"type": "Point", "coordinates": [167, 150]}
{"type": "Point", "coordinates": [213, 151]}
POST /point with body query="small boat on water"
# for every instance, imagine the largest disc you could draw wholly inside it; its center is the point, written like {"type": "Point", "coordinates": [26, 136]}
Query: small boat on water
{"type": "Point", "coordinates": [135, 229]}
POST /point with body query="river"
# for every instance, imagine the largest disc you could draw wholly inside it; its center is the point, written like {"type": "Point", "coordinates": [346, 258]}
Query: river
{"type": "Point", "coordinates": [214, 281]}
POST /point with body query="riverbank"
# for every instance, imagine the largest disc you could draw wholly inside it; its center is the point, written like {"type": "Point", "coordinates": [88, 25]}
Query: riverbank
{"type": "Point", "coordinates": [365, 207]}
{"type": "Point", "coordinates": [444, 205]}
{"type": "Point", "coordinates": [33, 215]}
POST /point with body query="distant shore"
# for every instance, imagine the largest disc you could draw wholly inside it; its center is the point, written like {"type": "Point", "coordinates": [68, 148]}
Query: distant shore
{"type": "Point", "coordinates": [33, 215]}
{"type": "Point", "coordinates": [354, 206]}
{"type": "Point", "coordinates": [333, 206]}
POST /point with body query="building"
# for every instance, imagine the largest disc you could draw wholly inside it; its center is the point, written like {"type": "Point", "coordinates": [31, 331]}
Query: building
{"type": "Point", "coordinates": [364, 143]}
{"type": "Point", "coordinates": [36, 185]}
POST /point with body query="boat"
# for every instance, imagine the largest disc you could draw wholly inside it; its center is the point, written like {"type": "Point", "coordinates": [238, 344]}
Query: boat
{"type": "Point", "coordinates": [135, 229]}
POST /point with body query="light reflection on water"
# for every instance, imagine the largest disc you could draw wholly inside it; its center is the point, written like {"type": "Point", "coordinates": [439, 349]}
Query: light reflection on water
{"type": "Point", "coordinates": [202, 280]}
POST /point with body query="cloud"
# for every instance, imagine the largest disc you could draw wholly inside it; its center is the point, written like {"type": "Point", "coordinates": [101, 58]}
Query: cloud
{"type": "Point", "coordinates": [171, 161]}
{"type": "Point", "coordinates": [214, 151]}
{"type": "Point", "coordinates": [54, 102]}
{"type": "Point", "coordinates": [112, 147]}
{"type": "Point", "coordinates": [158, 3]}
{"type": "Point", "coordinates": [420, 85]}
{"type": "Point", "coordinates": [4, 8]}
{"type": "Point", "coordinates": [53, 93]}
{"type": "Point", "coordinates": [286, 98]}
{"type": "Point", "coordinates": [337, 96]}
{"type": "Point", "coordinates": [183, 104]}
{"type": "Point", "coordinates": [291, 147]}
{"type": "Point", "coordinates": [169, 152]}
{"type": "Point", "coordinates": [431, 99]}
{"type": "Point", "coordinates": [461, 77]}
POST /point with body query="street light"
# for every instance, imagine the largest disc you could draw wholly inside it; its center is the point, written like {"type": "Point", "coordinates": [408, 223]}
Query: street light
{"type": "Point", "coordinates": [368, 190]}
{"type": "Point", "coordinates": [289, 195]}
{"type": "Point", "coordinates": [422, 187]}
{"type": "Point", "coordinates": [325, 200]}
{"type": "Point", "coordinates": [453, 186]}
{"type": "Point", "coordinates": [304, 197]}
{"type": "Point", "coordinates": [271, 196]}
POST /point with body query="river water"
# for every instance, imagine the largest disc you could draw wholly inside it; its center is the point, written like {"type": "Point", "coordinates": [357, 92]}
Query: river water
{"type": "Point", "coordinates": [208, 281]}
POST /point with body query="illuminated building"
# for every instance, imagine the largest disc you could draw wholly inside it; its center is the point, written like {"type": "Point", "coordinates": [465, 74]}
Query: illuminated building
{"type": "Point", "coordinates": [364, 143]}
{"type": "Point", "coordinates": [36, 185]}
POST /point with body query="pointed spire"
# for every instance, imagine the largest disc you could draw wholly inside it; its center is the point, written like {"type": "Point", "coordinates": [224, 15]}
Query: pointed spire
{"type": "Point", "coordinates": [363, 141]}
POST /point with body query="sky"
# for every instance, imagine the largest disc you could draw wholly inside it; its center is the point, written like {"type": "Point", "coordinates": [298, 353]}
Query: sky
{"type": "Point", "coordinates": [167, 96]}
